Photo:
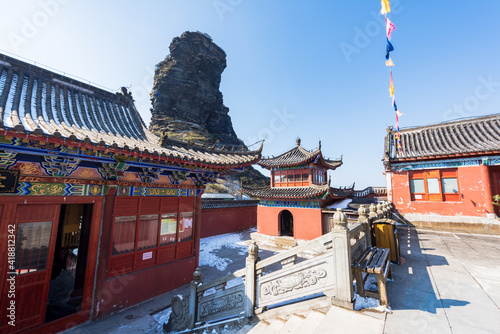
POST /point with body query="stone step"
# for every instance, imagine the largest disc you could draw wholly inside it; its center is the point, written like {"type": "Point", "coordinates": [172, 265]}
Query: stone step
{"type": "Point", "coordinates": [275, 326]}
{"type": "Point", "coordinates": [246, 329]}
{"type": "Point", "coordinates": [287, 242]}
{"type": "Point", "coordinates": [295, 321]}
{"type": "Point", "coordinates": [340, 320]}
{"type": "Point", "coordinates": [259, 328]}
{"type": "Point", "coordinates": [310, 323]}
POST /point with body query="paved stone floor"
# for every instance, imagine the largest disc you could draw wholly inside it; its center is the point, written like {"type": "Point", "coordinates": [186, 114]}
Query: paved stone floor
{"type": "Point", "coordinates": [448, 282]}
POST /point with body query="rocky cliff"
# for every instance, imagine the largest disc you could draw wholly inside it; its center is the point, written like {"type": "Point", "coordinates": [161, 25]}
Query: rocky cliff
{"type": "Point", "coordinates": [187, 103]}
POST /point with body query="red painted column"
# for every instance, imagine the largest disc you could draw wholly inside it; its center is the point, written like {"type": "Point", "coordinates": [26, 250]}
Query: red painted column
{"type": "Point", "coordinates": [488, 196]}
{"type": "Point", "coordinates": [104, 249]}
{"type": "Point", "coordinates": [197, 228]}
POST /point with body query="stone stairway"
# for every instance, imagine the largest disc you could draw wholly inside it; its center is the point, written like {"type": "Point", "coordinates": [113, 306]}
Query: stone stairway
{"type": "Point", "coordinates": [323, 319]}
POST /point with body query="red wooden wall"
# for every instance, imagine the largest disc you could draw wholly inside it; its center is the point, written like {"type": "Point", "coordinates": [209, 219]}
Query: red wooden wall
{"type": "Point", "coordinates": [114, 293]}
{"type": "Point", "coordinates": [474, 200]}
{"type": "Point", "coordinates": [227, 220]}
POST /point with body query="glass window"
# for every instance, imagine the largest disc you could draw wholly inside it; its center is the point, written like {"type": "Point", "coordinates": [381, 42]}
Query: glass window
{"type": "Point", "coordinates": [148, 232]}
{"type": "Point", "coordinates": [276, 178]}
{"type": "Point", "coordinates": [32, 246]}
{"type": "Point", "coordinates": [450, 185]}
{"type": "Point", "coordinates": [290, 177]}
{"type": "Point", "coordinates": [297, 177]}
{"type": "Point", "coordinates": [283, 178]}
{"type": "Point", "coordinates": [433, 185]}
{"type": "Point", "coordinates": [185, 226]}
{"type": "Point", "coordinates": [168, 228]}
{"type": "Point", "coordinates": [124, 235]}
{"type": "Point", "coordinates": [417, 186]}
{"type": "Point", "coordinates": [305, 177]}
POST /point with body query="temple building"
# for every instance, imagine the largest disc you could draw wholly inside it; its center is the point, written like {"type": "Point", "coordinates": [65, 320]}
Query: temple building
{"type": "Point", "coordinates": [445, 175]}
{"type": "Point", "coordinates": [96, 212]}
{"type": "Point", "coordinates": [292, 205]}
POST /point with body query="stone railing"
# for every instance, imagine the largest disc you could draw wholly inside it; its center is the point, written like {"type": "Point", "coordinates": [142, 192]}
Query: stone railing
{"type": "Point", "coordinates": [374, 211]}
{"type": "Point", "coordinates": [330, 273]}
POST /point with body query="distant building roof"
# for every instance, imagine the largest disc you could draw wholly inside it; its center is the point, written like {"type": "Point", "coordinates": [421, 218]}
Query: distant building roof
{"type": "Point", "coordinates": [310, 192]}
{"type": "Point", "coordinates": [299, 156]}
{"type": "Point", "coordinates": [212, 196]}
{"type": "Point", "coordinates": [473, 136]}
{"type": "Point", "coordinates": [375, 191]}
{"type": "Point", "coordinates": [45, 104]}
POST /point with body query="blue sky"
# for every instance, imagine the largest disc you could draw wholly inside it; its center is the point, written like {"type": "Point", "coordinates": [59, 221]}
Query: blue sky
{"type": "Point", "coordinates": [294, 68]}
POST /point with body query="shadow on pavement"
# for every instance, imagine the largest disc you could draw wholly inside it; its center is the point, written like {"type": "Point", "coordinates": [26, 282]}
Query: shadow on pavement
{"type": "Point", "coordinates": [412, 287]}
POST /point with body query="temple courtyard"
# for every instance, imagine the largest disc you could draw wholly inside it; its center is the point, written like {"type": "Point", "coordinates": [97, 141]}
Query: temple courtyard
{"type": "Point", "coordinates": [447, 282]}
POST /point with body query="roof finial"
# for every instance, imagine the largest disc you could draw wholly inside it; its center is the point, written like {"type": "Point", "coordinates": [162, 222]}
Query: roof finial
{"type": "Point", "coordinates": [319, 145]}
{"type": "Point", "coordinates": [298, 141]}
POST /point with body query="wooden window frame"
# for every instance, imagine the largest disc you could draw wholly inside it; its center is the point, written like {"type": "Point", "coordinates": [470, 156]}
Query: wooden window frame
{"type": "Point", "coordinates": [438, 174]}
{"type": "Point", "coordinates": [135, 260]}
{"type": "Point", "coordinates": [292, 177]}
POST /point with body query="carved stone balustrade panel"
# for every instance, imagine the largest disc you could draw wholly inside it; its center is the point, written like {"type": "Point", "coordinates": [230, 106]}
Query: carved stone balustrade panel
{"type": "Point", "coordinates": [222, 304]}
{"type": "Point", "coordinates": [295, 281]}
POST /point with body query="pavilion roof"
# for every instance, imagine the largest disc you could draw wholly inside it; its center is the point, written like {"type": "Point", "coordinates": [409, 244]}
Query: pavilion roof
{"type": "Point", "coordinates": [472, 136]}
{"type": "Point", "coordinates": [40, 103]}
{"type": "Point", "coordinates": [309, 192]}
{"type": "Point", "coordinates": [299, 156]}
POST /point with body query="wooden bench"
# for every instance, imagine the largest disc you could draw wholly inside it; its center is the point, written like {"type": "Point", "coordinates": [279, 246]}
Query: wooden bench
{"type": "Point", "coordinates": [373, 261]}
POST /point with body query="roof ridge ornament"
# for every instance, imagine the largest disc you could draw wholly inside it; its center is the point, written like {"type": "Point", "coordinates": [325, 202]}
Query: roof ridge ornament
{"type": "Point", "coordinates": [297, 141]}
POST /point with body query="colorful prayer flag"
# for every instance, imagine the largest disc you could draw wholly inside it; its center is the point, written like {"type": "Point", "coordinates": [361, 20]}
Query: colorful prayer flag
{"type": "Point", "coordinates": [394, 103]}
{"type": "Point", "coordinates": [391, 87]}
{"type": "Point", "coordinates": [399, 113]}
{"type": "Point", "coordinates": [389, 28]}
{"type": "Point", "coordinates": [388, 49]}
{"type": "Point", "coordinates": [386, 7]}
{"type": "Point", "coordinates": [389, 62]}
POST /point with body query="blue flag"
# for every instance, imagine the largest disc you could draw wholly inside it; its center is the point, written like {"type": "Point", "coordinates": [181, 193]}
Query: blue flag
{"type": "Point", "coordinates": [388, 49]}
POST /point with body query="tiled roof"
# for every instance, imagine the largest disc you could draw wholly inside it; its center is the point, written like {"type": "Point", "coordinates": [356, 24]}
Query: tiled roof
{"type": "Point", "coordinates": [313, 191]}
{"type": "Point", "coordinates": [476, 136]}
{"type": "Point", "coordinates": [299, 156]}
{"type": "Point", "coordinates": [378, 191]}
{"type": "Point", "coordinates": [37, 101]}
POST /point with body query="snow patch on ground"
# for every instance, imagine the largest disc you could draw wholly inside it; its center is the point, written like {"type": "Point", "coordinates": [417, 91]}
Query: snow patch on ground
{"type": "Point", "coordinates": [163, 316]}
{"type": "Point", "coordinates": [209, 246]}
{"type": "Point", "coordinates": [370, 303]}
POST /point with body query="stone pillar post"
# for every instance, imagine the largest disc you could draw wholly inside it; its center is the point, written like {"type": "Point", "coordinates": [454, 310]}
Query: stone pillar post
{"type": "Point", "coordinates": [363, 218]}
{"type": "Point", "coordinates": [362, 214]}
{"type": "Point", "coordinates": [372, 216]}
{"type": "Point", "coordinates": [343, 291]}
{"type": "Point", "coordinates": [193, 298]}
{"type": "Point", "coordinates": [380, 213]}
{"type": "Point", "coordinates": [250, 282]}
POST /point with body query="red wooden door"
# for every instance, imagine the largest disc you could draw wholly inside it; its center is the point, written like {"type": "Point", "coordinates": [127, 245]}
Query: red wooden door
{"type": "Point", "coordinates": [35, 230]}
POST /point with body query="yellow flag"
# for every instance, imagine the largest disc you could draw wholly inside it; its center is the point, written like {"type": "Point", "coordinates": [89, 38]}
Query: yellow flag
{"type": "Point", "coordinates": [389, 62]}
{"type": "Point", "coordinates": [386, 7]}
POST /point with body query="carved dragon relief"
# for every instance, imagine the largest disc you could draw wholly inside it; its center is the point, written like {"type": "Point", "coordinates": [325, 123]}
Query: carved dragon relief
{"type": "Point", "coordinates": [221, 304]}
{"type": "Point", "coordinates": [295, 281]}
